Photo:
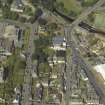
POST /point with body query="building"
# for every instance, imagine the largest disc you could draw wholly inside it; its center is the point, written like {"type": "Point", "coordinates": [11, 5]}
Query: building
{"type": "Point", "coordinates": [100, 69]}
{"type": "Point", "coordinates": [59, 43]}
{"type": "Point", "coordinates": [17, 6]}
{"type": "Point", "coordinates": [15, 102]}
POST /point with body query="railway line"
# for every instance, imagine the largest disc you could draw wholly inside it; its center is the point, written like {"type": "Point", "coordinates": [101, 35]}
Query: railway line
{"type": "Point", "coordinates": [82, 24]}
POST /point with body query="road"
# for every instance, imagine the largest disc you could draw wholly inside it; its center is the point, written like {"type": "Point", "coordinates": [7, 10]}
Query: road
{"type": "Point", "coordinates": [87, 68]}
{"type": "Point", "coordinates": [68, 34]}
{"type": "Point", "coordinates": [27, 91]}
{"type": "Point", "coordinates": [28, 71]}
{"type": "Point", "coordinates": [85, 13]}
{"type": "Point", "coordinates": [26, 96]}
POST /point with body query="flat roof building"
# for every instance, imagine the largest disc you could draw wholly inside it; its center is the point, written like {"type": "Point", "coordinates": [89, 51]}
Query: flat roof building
{"type": "Point", "coordinates": [100, 69]}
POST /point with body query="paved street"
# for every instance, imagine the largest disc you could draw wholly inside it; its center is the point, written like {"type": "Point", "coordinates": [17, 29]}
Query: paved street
{"type": "Point", "coordinates": [28, 72]}
{"type": "Point", "coordinates": [70, 41]}
{"type": "Point", "coordinates": [85, 13]}
{"type": "Point", "coordinates": [87, 67]}
{"type": "Point", "coordinates": [68, 34]}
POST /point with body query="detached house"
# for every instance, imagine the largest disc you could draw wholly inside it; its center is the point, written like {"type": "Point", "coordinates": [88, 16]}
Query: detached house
{"type": "Point", "coordinates": [17, 6]}
{"type": "Point", "coordinates": [59, 43]}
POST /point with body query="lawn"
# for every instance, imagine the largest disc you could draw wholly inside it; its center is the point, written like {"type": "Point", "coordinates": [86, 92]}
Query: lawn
{"type": "Point", "coordinates": [71, 5]}
{"type": "Point", "coordinates": [16, 66]}
{"type": "Point", "coordinates": [87, 3]}
{"type": "Point", "coordinates": [99, 20]}
{"type": "Point", "coordinates": [26, 38]}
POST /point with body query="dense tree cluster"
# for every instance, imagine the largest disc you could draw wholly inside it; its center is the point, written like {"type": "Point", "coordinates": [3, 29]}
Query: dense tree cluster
{"type": "Point", "coordinates": [6, 11]}
{"type": "Point", "coordinates": [40, 45]}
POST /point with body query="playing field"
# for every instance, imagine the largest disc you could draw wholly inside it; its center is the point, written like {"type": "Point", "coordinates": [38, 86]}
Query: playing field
{"type": "Point", "coordinates": [100, 20]}
{"type": "Point", "coordinates": [71, 5]}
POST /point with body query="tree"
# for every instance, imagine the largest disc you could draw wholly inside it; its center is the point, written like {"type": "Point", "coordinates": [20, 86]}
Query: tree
{"type": "Point", "coordinates": [87, 3]}
{"type": "Point", "coordinates": [44, 67]}
{"type": "Point", "coordinates": [72, 13]}
{"type": "Point", "coordinates": [42, 21]}
{"type": "Point", "coordinates": [22, 19]}
{"type": "Point", "coordinates": [13, 15]}
{"type": "Point", "coordinates": [48, 51]}
{"type": "Point", "coordinates": [38, 13]}
{"type": "Point", "coordinates": [49, 4]}
{"type": "Point", "coordinates": [6, 11]}
{"type": "Point", "coordinates": [9, 2]}
{"type": "Point", "coordinates": [9, 14]}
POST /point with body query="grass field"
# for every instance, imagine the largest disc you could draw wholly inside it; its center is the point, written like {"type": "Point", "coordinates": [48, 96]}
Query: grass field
{"type": "Point", "coordinates": [71, 5]}
{"type": "Point", "coordinates": [99, 20]}
{"type": "Point", "coordinates": [26, 38]}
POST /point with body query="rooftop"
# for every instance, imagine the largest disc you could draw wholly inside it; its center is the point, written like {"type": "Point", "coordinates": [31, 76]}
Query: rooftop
{"type": "Point", "coordinates": [58, 40]}
{"type": "Point", "coordinates": [18, 3]}
{"type": "Point", "coordinates": [17, 6]}
{"type": "Point", "coordinates": [100, 69]}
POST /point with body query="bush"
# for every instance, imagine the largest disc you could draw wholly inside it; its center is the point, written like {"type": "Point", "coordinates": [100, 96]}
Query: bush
{"type": "Point", "coordinates": [87, 3]}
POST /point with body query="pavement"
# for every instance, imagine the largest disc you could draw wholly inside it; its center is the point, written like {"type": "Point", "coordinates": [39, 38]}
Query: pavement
{"type": "Point", "coordinates": [87, 68]}
{"type": "Point", "coordinates": [28, 71]}
{"type": "Point", "coordinates": [68, 34]}
{"type": "Point", "coordinates": [85, 13]}
{"type": "Point", "coordinates": [27, 85]}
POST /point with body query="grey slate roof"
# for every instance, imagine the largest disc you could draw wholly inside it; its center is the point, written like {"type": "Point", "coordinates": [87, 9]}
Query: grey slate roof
{"type": "Point", "coordinates": [58, 40]}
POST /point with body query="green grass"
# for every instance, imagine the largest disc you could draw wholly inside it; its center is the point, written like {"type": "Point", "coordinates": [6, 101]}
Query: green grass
{"type": "Point", "coordinates": [16, 66]}
{"type": "Point", "coordinates": [28, 11]}
{"type": "Point", "coordinates": [71, 5]}
{"type": "Point", "coordinates": [99, 20]}
{"type": "Point", "coordinates": [26, 38]}
{"type": "Point", "coordinates": [87, 3]}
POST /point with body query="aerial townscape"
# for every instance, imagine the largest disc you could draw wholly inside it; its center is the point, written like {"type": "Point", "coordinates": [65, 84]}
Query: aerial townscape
{"type": "Point", "coordinates": [52, 52]}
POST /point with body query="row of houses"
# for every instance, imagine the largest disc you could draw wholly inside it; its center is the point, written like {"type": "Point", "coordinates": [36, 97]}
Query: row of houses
{"type": "Point", "coordinates": [17, 6]}
{"type": "Point", "coordinates": [49, 84]}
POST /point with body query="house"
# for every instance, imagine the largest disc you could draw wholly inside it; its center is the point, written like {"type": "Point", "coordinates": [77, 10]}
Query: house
{"type": "Point", "coordinates": [4, 52]}
{"type": "Point", "coordinates": [59, 43]}
{"type": "Point", "coordinates": [58, 58]}
{"type": "Point", "coordinates": [17, 6]}
{"type": "Point", "coordinates": [1, 74]}
{"type": "Point", "coordinates": [83, 75]}
{"type": "Point", "coordinates": [5, 49]}
{"type": "Point", "coordinates": [15, 102]}
{"type": "Point", "coordinates": [4, 45]}
{"type": "Point", "coordinates": [100, 69]}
